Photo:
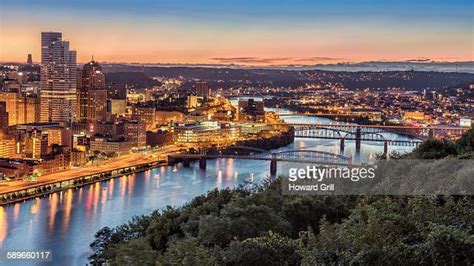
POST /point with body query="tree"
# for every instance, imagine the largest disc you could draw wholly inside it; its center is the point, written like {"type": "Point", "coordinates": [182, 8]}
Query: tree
{"type": "Point", "coordinates": [135, 252]}
{"type": "Point", "coordinates": [99, 245]}
{"type": "Point", "coordinates": [271, 249]}
{"type": "Point", "coordinates": [186, 252]}
{"type": "Point", "coordinates": [434, 149]}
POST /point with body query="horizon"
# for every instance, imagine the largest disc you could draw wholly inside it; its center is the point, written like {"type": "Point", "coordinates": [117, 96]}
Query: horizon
{"type": "Point", "coordinates": [246, 33]}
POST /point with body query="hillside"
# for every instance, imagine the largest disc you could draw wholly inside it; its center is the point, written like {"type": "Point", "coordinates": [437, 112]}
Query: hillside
{"type": "Point", "coordinates": [263, 227]}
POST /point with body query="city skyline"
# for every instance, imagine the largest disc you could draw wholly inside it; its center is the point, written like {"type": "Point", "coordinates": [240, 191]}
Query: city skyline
{"type": "Point", "coordinates": [243, 33]}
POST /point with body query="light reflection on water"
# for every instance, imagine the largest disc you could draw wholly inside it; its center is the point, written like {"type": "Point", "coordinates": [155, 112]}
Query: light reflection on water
{"type": "Point", "coordinates": [66, 222]}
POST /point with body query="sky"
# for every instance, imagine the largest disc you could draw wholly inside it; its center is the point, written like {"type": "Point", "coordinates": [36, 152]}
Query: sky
{"type": "Point", "coordinates": [246, 32]}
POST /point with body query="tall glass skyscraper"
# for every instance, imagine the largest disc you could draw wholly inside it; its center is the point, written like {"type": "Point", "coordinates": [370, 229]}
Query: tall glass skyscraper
{"type": "Point", "coordinates": [58, 79]}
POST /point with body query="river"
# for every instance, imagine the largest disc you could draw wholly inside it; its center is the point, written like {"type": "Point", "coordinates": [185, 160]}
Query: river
{"type": "Point", "coordinates": [65, 222]}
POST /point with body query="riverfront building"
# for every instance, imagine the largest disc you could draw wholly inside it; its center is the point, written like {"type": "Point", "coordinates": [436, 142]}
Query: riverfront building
{"type": "Point", "coordinates": [207, 131]}
{"type": "Point", "coordinates": [108, 145]}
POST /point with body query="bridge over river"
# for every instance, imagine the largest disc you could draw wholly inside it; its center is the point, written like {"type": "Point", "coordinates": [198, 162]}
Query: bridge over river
{"type": "Point", "coordinates": [251, 153]}
{"type": "Point", "coordinates": [372, 133]}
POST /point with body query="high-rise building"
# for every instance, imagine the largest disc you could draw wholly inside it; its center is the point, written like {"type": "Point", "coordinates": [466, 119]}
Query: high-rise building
{"type": "Point", "coordinates": [98, 105]}
{"type": "Point", "coordinates": [117, 91]}
{"type": "Point", "coordinates": [92, 94]}
{"type": "Point", "coordinates": [36, 145]}
{"type": "Point", "coordinates": [21, 109]}
{"type": "Point", "coordinates": [3, 117]}
{"type": "Point", "coordinates": [7, 147]}
{"type": "Point", "coordinates": [117, 107]}
{"type": "Point", "coordinates": [58, 79]}
{"type": "Point", "coordinates": [135, 132]}
{"type": "Point", "coordinates": [192, 101]}
{"type": "Point", "coordinates": [29, 61]}
{"type": "Point", "coordinates": [203, 89]}
{"type": "Point", "coordinates": [145, 114]}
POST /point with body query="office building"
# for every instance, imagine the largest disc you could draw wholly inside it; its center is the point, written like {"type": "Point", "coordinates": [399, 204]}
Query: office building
{"type": "Point", "coordinates": [7, 147]}
{"type": "Point", "coordinates": [117, 107]}
{"type": "Point", "coordinates": [135, 132]}
{"type": "Point", "coordinates": [192, 102]}
{"type": "Point", "coordinates": [117, 91]}
{"type": "Point", "coordinates": [146, 115]}
{"type": "Point", "coordinates": [21, 108]}
{"type": "Point", "coordinates": [3, 118]}
{"type": "Point", "coordinates": [108, 145]}
{"type": "Point", "coordinates": [36, 144]}
{"type": "Point", "coordinates": [58, 79]}
{"type": "Point", "coordinates": [98, 105]}
{"type": "Point", "coordinates": [197, 132]}
{"type": "Point", "coordinates": [92, 94]}
{"type": "Point", "coordinates": [37, 139]}
{"type": "Point", "coordinates": [203, 89]}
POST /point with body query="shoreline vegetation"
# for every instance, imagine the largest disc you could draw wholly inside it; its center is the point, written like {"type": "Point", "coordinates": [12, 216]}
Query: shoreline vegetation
{"type": "Point", "coordinates": [260, 226]}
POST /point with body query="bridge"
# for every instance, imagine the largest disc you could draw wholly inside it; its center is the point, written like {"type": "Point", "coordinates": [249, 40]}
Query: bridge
{"type": "Point", "coordinates": [373, 133]}
{"type": "Point", "coordinates": [296, 156]}
{"type": "Point", "coordinates": [279, 114]}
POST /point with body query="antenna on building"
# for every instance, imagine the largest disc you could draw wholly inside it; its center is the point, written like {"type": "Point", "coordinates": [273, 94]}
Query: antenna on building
{"type": "Point", "coordinates": [92, 57]}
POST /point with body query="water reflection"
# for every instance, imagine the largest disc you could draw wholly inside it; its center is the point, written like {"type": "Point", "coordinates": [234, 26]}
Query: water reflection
{"type": "Point", "coordinates": [66, 222]}
{"type": "Point", "coordinates": [53, 204]}
{"type": "Point", "coordinates": [3, 225]}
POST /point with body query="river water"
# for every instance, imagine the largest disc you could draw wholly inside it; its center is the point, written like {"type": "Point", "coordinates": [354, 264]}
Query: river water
{"type": "Point", "coordinates": [65, 222]}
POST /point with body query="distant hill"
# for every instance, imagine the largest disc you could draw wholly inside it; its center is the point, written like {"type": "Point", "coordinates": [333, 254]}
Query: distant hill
{"type": "Point", "coordinates": [137, 79]}
{"type": "Point", "coordinates": [236, 77]}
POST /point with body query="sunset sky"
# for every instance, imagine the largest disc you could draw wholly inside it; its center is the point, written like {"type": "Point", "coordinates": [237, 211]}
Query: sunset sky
{"type": "Point", "coordinates": [251, 32]}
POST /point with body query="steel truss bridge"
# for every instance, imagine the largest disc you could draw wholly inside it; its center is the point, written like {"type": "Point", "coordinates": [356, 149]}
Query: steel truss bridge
{"type": "Point", "coordinates": [374, 133]}
{"type": "Point", "coordinates": [250, 153]}
{"type": "Point", "coordinates": [348, 132]}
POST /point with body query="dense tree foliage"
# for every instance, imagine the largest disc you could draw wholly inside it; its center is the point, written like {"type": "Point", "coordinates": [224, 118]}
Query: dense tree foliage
{"type": "Point", "coordinates": [263, 227]}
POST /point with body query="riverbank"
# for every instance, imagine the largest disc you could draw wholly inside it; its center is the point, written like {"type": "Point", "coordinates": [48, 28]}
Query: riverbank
{"type": "Point", "coordinates": [23, 190]}
{"type": "Point", "coordinates": [274, 142]}
{"type": "Point", "coordinates": [43, 188]}
{"type": "Point", "coordinates": [75, 215]}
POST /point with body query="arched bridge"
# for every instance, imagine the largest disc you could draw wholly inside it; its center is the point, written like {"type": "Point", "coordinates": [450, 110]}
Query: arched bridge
{"type": "Point", "coordinates": [296, 156]}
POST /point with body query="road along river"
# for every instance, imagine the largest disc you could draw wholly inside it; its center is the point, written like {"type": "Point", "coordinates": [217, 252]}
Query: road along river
{"type": "Point", "coordinates": [65, 222]}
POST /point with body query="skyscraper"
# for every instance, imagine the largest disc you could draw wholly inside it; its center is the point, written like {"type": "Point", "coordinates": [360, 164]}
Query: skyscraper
{"type": "Point", "coordinates": [21, 108]}
{"type": "Point", "coordinates": [202, 89]}
{"type": "Point", "coordinates": [92, 94]}
{"type": "Point", "coordinates": [3, 117]}
{"type": "Point", "coordinates": [58, 79]}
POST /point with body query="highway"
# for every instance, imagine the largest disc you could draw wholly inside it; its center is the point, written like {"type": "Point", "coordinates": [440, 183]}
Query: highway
{"type": "Point", "coordinates": [119, 162]}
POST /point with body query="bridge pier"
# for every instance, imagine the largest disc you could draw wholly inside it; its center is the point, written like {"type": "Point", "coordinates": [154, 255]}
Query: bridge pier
{"type": "Point", "coordinates": [385, 149]}
{"type": "Point", "coordinates": [342, 146]}
{"type": "Point", "coordinates": [273, 168]}
{"type": "Point", "coordinates": [202, 163]}
{"type": "Point", "coordinates": [358, 141]}
{"type": "Point", "coordinates": [186, 162]}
